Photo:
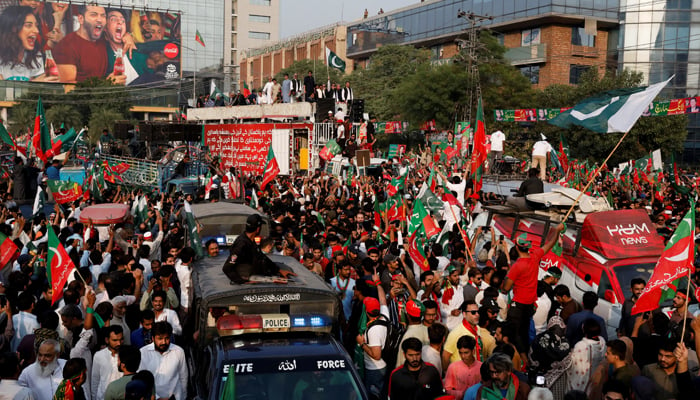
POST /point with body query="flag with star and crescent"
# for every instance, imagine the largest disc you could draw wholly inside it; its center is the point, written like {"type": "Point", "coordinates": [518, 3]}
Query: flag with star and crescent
{"type": "Point", "coordinates": [58, 266]}
{"type": "Point", "coordinates": [271, 170]}
{"type": "Point", "coordinates": [675, 262]}
{"type": "Point", "coordinates": [333, 61]}
{"type": "Point", "coordinates": [65, 191]}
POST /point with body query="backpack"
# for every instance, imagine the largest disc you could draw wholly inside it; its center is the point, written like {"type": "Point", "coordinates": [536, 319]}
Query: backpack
{"type": "Point", "coordinates": [392, 344]}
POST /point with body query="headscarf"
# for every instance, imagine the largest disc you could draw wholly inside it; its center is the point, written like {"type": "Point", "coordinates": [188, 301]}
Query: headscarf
{"type": "Point", "coordinates": [550, 353]}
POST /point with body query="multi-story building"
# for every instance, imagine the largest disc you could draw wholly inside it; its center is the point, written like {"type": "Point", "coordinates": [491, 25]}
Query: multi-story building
{"type": "Point", "coordinates": [258, 64]}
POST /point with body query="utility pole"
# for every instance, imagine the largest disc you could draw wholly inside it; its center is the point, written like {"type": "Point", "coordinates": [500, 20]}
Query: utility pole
{"type": "Point", "coordinates": [472, 44]}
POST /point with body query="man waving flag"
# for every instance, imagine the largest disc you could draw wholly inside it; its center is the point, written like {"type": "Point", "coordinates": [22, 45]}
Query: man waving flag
{"type": "Point", "coordinates": [675, 262]}
{"type": "Point", "coordinates": [58, 266]}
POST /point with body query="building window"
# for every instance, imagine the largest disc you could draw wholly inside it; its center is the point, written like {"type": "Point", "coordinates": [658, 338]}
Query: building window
{"type": "Point", "coordinates": [259, 35]}
{"type": "Point", "coordinates": [579, 37]}
{"type": "Point", "coordinates": [265, 19]}
{"type": "Point", "coordinates": [261, 2]}
{"type": "Point", "coordinates": [530, 37]}
{"type": "Point", "coordinates": [576, 72]}
{"type": "Point", "coordinates": [531, 72]}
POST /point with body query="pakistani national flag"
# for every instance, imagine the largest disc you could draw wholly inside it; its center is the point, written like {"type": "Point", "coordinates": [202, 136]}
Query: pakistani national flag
{"type": "Point", "coordinates": [272, 169]}
{"type": "Point", "coordinates": [39, 201]}
{"type": "Point", "coordinates": [333, 61]}
{"type": "Point", "coordinates": [41, 140]}
{"type": "Point", "coordinates": [58, 266]}
{"type": "Point", "coordinates": [431, 202]}
{"type": "Point", "coordinates": [194, 240]}
{"type": "Point", "coordinates": [5, 137]}
{"type": "Point", "coordinates": [65, 191]}
{"type": "Point", "coordinates": [613, 111]}
{"type": "Point", "coordinates": [675, 262]}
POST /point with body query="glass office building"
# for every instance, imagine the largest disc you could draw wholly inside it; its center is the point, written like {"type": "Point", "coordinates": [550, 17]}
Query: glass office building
{"type": "Point", "coordinates": [432, 21]}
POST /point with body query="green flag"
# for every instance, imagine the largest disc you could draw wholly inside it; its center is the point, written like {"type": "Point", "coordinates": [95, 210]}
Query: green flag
{"type": "Point", "coordinates": [41, 140]}
{"type": "Point", "coordinates": [229, 391]}
{"type": "Point", "coordinates": [613, 111]}
{"type": "Point", "coordinates": [333, 61]}
{"type": "Point", "coordinates": [5, 137]}
{"type": "Point", "coordinates": [39, 201]}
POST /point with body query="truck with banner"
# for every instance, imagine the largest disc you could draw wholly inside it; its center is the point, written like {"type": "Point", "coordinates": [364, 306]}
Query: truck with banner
{"type": "Point", "coordinates": [245, 146]}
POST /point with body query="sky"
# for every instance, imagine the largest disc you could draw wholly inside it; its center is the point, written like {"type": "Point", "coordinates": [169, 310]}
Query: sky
{"type": "Point", "coordinates": [298, 16]}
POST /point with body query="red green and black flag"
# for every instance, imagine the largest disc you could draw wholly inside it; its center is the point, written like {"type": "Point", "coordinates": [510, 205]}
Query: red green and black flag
{"type": "Point", "coordinates": [246, 90]}
{"type": "Point", "coordinates": [272, 169]}
{"type": "Point", "coordinates": [59, 266]}
{"type": "Point", "coordinates": [198, 39]}
{"type": "Point", "coordinates": [675, 262]}
{"type": "Point", "coordinates": [479, 152]}
{"type": "Point", "coordinates": [65, 191]}
{"type": "Point", "coordinates": [41, 140]}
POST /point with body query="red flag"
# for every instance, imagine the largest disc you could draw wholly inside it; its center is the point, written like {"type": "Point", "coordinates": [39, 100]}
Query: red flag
{"type": "Point", "coordinates": [675, 262]}
{"type": "Point", "coordinates": [479, 154]}
{"type": "Point", "coordinates": [272, 169]}
{"type": "Point", "coordinates": [59, 266]}
{"type": "Point", "coordinates": [8, 251]}
{"type": "Point", "coordinates": [41, 139]}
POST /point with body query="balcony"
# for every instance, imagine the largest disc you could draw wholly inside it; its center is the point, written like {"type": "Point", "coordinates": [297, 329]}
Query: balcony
{"type": "Point", "coordinates": [535, 54]}
{"type": "Point", "coordinates": [584, 51]}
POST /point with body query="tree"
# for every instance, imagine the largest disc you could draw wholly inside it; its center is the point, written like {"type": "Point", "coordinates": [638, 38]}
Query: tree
{"type": "Point", "coordinates": [101, 118]}
{"type": "Point", "coordinates": [64, 114]}
{"type": "Point", "coordinates": [649, 133]}
{"type": "Point", "coordinates": [22, 117]}
{"type": "Point", "coordinates": [388, 67]}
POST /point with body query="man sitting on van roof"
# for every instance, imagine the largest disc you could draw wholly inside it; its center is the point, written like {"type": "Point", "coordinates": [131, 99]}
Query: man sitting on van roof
{"type": "Point", "coordinates": [246, 257]}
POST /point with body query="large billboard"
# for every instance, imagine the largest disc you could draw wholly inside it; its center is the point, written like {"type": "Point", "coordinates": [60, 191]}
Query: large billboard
{"type": "Point", "coordinates": [68, 43]}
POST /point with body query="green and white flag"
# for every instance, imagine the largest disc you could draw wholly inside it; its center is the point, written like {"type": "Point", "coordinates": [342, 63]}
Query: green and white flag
{"type": "Point", "coordinates": [39, 201]}
{"type": "Point", "coordinates": [333, 61]}
{"type": "Point", "coordinates": [613, 111]}
{"type": "Point", "coordinates": [194, 240]}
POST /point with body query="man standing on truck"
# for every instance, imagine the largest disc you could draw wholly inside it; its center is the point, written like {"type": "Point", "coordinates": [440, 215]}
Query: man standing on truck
{"type": "Point", "coordinates": [246, 258]}
{"type": "Point", "coordinates": [522, 278]}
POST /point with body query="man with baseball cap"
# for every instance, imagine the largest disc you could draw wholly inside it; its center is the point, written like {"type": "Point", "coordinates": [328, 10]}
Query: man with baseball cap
{"type": "Point", "coordinates": [522, 278]}
{"type": "Point", "coordinates": [373, 340]}
{"type": "Point", "coordinates": [415, 329]}
{"type": "Point", "coordinates": [246, 257]}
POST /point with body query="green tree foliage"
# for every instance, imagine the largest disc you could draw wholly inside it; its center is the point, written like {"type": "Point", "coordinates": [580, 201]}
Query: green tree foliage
{"type": "Point", "coordinates": [387, 69]}
{"type": "Point", "coordinates": [76, 108]}
{"type": "Point", "coordinates": [65, 114]}
{"type": "Point", "coordinates": [101, 118]}
{"type": "Point", "coordinates": [650, 133]}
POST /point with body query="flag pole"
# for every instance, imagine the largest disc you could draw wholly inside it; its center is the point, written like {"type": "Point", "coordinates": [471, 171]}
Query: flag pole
{"type": "Point", "coordinates": [461, 232]}
{"type": "Point", "coordinates": [687, 296]}
{"type": "Point", "coordinates": [592, 178]}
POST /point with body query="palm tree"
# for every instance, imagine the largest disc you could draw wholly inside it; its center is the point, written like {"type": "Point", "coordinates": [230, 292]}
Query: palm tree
{"type": "Point", "coordinates": [64, 114]}
{"type": "Point", "coordinates": [22, 117]}
{"type": "Point", "coordinates": [102, 118]}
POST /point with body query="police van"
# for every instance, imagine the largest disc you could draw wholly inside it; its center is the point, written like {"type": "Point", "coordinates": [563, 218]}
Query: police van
{"type": "Point", "coordinates": [267, 340]}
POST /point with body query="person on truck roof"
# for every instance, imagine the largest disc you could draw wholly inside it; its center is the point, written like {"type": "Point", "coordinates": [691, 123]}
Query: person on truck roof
{"type": "Point", "coordinates": [246, 257]}
{"type": "Point", "coordinates": [532, 185]}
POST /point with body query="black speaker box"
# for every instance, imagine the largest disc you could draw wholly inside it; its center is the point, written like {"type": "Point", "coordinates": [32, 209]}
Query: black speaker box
{"type": "Point", "coordinates": [322, 107]}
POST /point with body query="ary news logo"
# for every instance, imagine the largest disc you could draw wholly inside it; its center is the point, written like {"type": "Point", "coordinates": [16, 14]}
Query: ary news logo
{"type": "Point", "coordinates": [629, 234]}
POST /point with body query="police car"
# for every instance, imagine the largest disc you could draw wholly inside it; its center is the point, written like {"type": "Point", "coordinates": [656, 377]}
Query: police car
{"type": "Point", "coordinates": [266, 340]}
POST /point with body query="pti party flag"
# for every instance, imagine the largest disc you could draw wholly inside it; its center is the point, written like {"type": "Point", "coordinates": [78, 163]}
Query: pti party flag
{"type": "Point", "coordinates": [675, 262]}
{"type": "Point", "coordinates": [198, 39]}
{"type": "Point", "coordinates": [8, 251]}
{"type": "Point", "coordinates": [613, 111]}
{"type": "Point", "coordinates": [479, 152]}
{"type": "Point", "coordinates": [41, 140]}
{"type": "Point", "coordinates": [563, 152]}
{"type": "Point", "coordinates": [66, 141]}
{"type": "Point", "coordinates": [194, 240]}
{"type": "Point", "coordinates": [5, 137]}
{"type": "Point", "coordinates": [246, 90]}
{"type": "Point", "coordinates": [421, 228]}
{"type": "Point", "coordinates": [58, 266]}
{"type": "Point", "coordinates": [272, 169]}
{"type": "Point", "coordinates": [330, 150]}
{"type": "Point", "coordinates": [333, 61]}
{"type": "Point", "coordinates": [65, 191]}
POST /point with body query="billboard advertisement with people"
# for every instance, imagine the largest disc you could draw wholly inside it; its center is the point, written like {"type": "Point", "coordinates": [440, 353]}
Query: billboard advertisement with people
{"type": "Point", "coordinates": [67, 43]}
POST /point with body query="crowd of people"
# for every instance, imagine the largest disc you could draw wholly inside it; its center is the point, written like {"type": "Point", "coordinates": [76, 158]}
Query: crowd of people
{"type": "Point", "coordinates": [475, 322]}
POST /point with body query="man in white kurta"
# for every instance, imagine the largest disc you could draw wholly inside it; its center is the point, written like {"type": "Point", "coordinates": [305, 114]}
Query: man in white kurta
{"type": "Point", "coordinates": [44, 376]}
{"type": "Point", "coordinates": [105, 364]}
{"type": "Point", "coordinates": [166, 362]}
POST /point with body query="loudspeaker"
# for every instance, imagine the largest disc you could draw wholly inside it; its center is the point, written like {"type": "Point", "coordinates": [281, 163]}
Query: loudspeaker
{"type": "Point", "coordinates": [121, 130]}
{"type": "Point", "coordinates": [145, 131]}
{"type": "Point", "coordinates": [322, 107]}
{"type": "Point", "coordinates": [192, 132]}
{"type": "Point", "coordinates": [357, 108]}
